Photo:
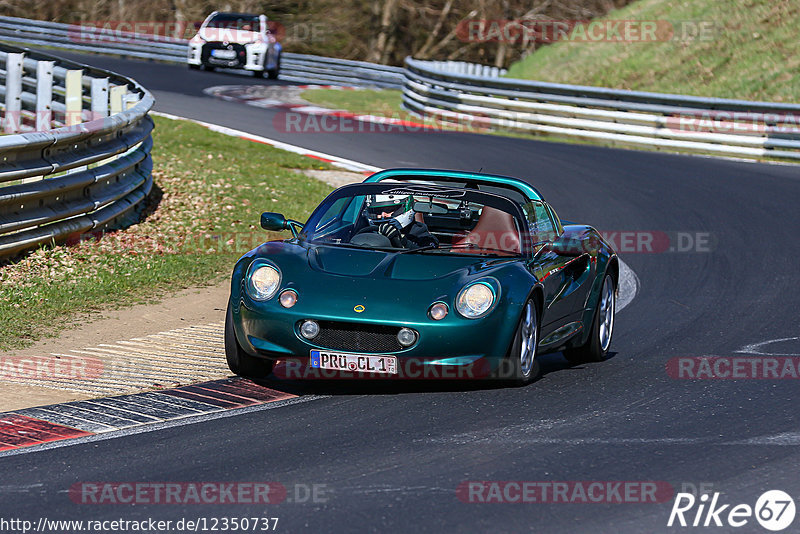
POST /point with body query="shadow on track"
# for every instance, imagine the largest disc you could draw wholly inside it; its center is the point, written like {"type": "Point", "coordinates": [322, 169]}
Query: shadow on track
{"type": "Point", "coordinates": [549, 363]}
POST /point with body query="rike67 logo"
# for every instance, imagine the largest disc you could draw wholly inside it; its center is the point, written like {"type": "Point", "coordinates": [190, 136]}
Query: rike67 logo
{"type": "Point", "coordinates": [774, 510]}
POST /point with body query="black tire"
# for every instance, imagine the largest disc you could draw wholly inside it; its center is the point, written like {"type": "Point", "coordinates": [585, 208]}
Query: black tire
{"type": "Point", "coordinates": [513, 371]}
{"type": "Point", "coordinates": [593, 350]}
{"type": "Point", "coordinates": [239, 361]}
{"type": "Point", "coordinates": [272, 74]}
{"type": "Point", "coordinates": [194, 67]}
{"type": "Point", "coordinates": [209, 68]}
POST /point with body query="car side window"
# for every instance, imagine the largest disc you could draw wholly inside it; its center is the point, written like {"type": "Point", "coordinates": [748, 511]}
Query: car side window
{"type": "Point", "coordinates": [332, 213]}
{"type": "Point", "coordinates": [540, 222]}
{"type": "Point", "coordinates": [352, 212]}
{"type": "Point", "coordinates": [341, 213]}
{"type": "Point", "coordinates": [554, 215]}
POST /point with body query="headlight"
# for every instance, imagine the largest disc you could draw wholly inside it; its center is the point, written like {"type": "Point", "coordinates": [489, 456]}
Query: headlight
{"type": "Point", "coordinates": [263, 282]}
{"type": "Point", "coordinates": [475, 300]}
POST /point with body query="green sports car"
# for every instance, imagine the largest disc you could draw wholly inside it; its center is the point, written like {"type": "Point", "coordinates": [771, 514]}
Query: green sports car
{"type": "Point", "coordinates": [420, 273]}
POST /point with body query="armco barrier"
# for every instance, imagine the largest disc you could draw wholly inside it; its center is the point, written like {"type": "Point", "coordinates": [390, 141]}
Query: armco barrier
{"type": "Point", "coordinates": [76, 154]}
{"type": "Point", "coordinates": [656, 120]}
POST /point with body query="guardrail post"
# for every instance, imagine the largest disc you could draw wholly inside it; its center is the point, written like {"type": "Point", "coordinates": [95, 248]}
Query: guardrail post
{"type": "Point", "coordinates": [99, 98]}
{"type": "Point", "coordinates": [13, 109]}
{"type": "Point", "coordinates": [44, 95]}
{"type": "Point", "coordinates": [131, 100]}
{"type": "Point", "coordinates": [74, 97]}
{"type": "Point", "coordinates": [117, 97]}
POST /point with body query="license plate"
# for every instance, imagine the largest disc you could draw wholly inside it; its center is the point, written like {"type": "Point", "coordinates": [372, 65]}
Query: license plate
{"type": "Point", "coordinates": [223, 54]}
{"type": "Point", "coordinates": [321, 359]}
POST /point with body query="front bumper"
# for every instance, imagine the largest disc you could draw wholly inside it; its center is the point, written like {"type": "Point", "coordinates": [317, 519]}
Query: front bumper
{"type": "Point", "coordinates": [253, 60]}
{"type": "Point", "coordinates": [454, 347]}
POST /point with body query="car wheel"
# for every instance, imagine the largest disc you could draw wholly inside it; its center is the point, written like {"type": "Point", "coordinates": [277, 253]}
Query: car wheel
{"type": "Point", "coordinates": [209, 68]}
{"type": "Point", "coordinates": [239, 361]}
{"type": "Point", "coordinates": [596, 347]}
{"type": "Point", "coordinates": [273, 73]}
{"type": "Point", "coordinates": [194, 67]}
{"type": "Point", "coordinates": [521, 358]}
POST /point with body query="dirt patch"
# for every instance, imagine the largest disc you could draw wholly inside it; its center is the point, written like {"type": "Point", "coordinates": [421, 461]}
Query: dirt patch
{"type": "Point", "coordinates": [185, 308]}
{"type": "Point", "coordinates": [334, 177]}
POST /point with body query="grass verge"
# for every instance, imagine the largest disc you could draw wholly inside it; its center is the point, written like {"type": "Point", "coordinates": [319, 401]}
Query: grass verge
{"type": "Point", "coordinates": [382, 102]}
{"type": "Point", "coordinates": [209, 192]}
{"type": "Point", "coordinates": [750, 51]}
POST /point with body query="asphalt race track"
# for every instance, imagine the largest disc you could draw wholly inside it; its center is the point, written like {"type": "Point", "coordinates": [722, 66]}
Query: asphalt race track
{"type": "Point", "coordinates": [391, 459]}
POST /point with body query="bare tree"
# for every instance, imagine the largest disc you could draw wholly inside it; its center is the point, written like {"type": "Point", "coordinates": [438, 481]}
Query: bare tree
{"type": "Point", "coordinates": [384, 31]}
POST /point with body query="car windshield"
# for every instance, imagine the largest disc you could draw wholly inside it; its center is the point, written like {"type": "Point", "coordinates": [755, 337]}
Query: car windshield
{"type": "Point", "coordinates": [424, 219]}
{"type": "Point", "coordinates": [230, 21]}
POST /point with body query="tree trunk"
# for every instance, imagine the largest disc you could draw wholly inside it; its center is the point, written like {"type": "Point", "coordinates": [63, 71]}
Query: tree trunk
{"type": "Point", "coordinates": [387, 15]}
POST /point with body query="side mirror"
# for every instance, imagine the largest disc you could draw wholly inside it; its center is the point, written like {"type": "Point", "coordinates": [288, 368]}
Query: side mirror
{"type": "Point", "coordinates": [273, 221]}
{"type": "Point", "coordinates": [568, 246]}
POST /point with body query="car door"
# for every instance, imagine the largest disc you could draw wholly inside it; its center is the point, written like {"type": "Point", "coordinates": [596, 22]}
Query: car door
{"type": "Point", "coordinates": [579, 269]}
{"type": "Point", "coordinates": [555, 271]}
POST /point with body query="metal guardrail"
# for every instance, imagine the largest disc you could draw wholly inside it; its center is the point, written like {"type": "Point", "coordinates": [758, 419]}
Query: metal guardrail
{"type": "Point", "coordinates": [317, 69]}
{"type": "Point", "coordinates": [294, 67]}
{"type": "Point", "coordinates": [655, 120]}
{"type": "Point", "coordinates": [469, 69]}
{"type": "Point", "coordinates": [76, 156]}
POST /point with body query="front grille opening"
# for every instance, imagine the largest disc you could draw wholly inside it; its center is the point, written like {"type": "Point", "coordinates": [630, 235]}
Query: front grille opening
{"type": "Point", "coordinates": [239, 49]}
{"type": "Point", "coordinates": [352, 337]}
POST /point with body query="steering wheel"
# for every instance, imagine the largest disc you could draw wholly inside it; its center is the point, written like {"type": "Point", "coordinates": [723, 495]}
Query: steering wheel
{"type": "Point", "coordinates": [370, 239]}
{"type": "Point", "coordinates": [370, 236]}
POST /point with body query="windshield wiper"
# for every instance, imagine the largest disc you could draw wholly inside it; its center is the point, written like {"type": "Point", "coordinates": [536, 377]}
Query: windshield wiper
{"type": "Point", "coordinates": [419, 249]}
{"type": "Point", "coordinates": [473, 245]}
{"type": "Point", "coordinates": [351, 245]}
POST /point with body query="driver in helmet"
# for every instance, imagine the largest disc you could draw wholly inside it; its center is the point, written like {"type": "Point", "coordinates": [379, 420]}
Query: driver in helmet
{"type": "Point", "coordinates": [393, 216]}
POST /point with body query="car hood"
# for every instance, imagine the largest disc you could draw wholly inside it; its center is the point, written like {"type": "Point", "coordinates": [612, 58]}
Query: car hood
{"type": "Point", "coordinates": [311, 261]}
{"type": "Point", "coordinates": [380, 264]}
{"type": "Point", "coordinates": [375, 264]}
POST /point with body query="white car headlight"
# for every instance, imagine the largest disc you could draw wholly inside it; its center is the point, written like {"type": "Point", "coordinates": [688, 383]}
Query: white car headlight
{"type": "Point", "coordinates": [263, 282]}
{"type": "Point", "coordinates": [475, 300]}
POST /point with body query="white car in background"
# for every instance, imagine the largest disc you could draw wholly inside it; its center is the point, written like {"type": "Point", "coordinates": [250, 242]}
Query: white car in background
{"type": "Point", "coordinates": [236, 41]}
